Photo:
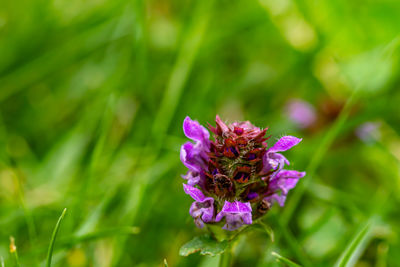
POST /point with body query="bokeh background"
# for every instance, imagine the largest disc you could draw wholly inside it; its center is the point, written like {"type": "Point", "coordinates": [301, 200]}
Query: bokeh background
{"type": "Point", "coordinates": [92, 98]}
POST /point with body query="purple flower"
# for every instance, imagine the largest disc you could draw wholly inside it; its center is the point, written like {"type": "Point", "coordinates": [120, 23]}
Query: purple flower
{"type": "Point", "coordinates": [237, 169]}
{"type": "Point", "coordinates": [276, 161]}
{"type": "Point", "coordinates": [196, 132]}
{"type": "Point", "coordinates": [202, 210]}
{"type": "Point", "coordinates": [301, 113]}
{"type": "Point", "coordinates": [285, 143]}
{"type": "Point", "coordinates": [369, 131]}
{"type": "Point", "coordinates": [236, 214]}
{"type": "Point", "coordinates": [283, 181]}
{"type": "Point", "coordinates": [193, 178]}
{"type": "Point", "coordinates": [194, 156]}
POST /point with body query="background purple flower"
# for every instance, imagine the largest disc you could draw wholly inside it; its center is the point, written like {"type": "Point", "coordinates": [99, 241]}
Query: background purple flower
{"type": "Point", "coordinates": [369, 131]}
{"type": "Point", "coordinates": [301, 112]}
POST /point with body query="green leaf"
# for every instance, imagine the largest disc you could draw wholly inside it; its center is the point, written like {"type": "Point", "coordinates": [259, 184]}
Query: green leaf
{"type": "Point", "coordinates": [280, 258]}
{"type": "Point", "coordinates": [205, 244]}
{"type": "Point", "coordinates": [356, 246]}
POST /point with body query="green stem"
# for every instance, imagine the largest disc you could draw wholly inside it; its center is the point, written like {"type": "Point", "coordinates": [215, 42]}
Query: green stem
{"type": "Point", "coordinates": [226, 258]}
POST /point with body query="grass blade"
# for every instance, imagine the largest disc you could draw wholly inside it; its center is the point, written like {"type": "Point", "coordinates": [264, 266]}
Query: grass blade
{"type": "Point", "coordinates": [315, 161]}
{"type": "Point", "coordinates": [356, 247]}
{"type": "Point", "coordinates": [53, 239]}
{"type": "Point", "coordinates": [13, 251]}
{"type": "Point", "coordinates": [294, 245]}
{"type": "Point", "coordinates": [268, 230]}
{"type": "Point", "coordinates": [280, 258]}
{"type": "Point", "coordinates": [99, 235]}
{"type": "Point", "coordinates": [183, 65]}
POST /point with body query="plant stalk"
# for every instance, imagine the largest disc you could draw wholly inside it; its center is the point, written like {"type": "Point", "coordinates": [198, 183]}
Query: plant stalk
{"type": "Point", "coordinates": [226, 258]}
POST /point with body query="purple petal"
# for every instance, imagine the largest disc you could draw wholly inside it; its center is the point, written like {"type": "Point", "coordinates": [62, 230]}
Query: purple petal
{"type": "Point", "coordinates": [202, 210]}
{"type": "Point", "coordinates": [236, 214]}
{"type": "Point", "coordinates": [195, 131]}
{"type": "Point", "coordinates": [285, 180]}
{"type": "Point", "coordinates": [280, 199]}
{"type": "Point", "coordinates": [236, 207]}
{"type": "Point", "coordinates": [208, 209]}
{"type": "Point", "coordinates": [290, 178]}
{"type": "Point", "coordinates": [273, 161]}
{"type": "Point", "coordinates": [195, 193]}
{"type": "Point", "coordinates": [247, 218]}
{"type": "Point", "coordinates": [235, 221]}
{"type": "Point", "coordinates": [280, 185]}
{"type": "Point", "coordinates": [199, 223]}
{"type": "Point", "coordinates": [192, 157]}
{"type": "Point", "coordinates": [284, 144]}
{"type": "Point", "coordinates": [193, 178]}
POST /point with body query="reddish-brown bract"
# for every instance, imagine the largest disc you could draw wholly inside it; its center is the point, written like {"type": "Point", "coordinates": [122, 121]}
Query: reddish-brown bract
{"type": "Point", "coordinates": [235, 156]}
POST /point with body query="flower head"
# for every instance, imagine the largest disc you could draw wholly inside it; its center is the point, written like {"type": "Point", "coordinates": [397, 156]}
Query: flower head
{"type": "Point", "coordinates": [235, 176]}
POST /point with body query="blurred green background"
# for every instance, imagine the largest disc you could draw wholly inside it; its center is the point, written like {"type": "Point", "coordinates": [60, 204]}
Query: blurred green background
{"type": "Point", "coordinates": [92, 99]}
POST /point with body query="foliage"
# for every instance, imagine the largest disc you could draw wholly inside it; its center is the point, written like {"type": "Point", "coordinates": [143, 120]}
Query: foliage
{"type": "Point", "coordinates": [92, 99]}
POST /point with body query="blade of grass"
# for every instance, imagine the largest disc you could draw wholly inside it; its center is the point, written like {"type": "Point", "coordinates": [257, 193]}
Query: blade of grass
{"type": "Point", "coordinates": [358, 86]}
{"type": "Point", "coordinates": [28, 214]}
{"type": "Point", "coordinates": [92, 218]}
{"type": "Point", "coordinates": [182, 68]}
{"type": "Point", "coordinates": [71, 241]}
{"type": "Point", "coordinates": [98, 235]}
{"type": "Point", "coordinates": [53, 239]}
{"type": "Point", "coordinates": [20, 191]}
{"type": "Point", "coordinates": [293, 244]}
{"type": "Point", "coordinates": [323, 147]}
{"type": "Point", "coordinates": [104, 124]}
{"type": "Point", "coordinates": [13, 251]}
{"type": "Point", "coordinates": [58, 58]}
{"type": "Point", "coordinates": [152, 170]}
{"type": "Point", "coordinates": [18, 184]}
{"type": "Point", "coordinates": [318, 224]}
{"type": "Point", "coordinates": [268, 230]}
{"type": "Point", "coordinates": [177, 80]}
{"type": "Point", "coordinates": [357, 245]}
{"type": "Point", "coordinates": [280, 258]}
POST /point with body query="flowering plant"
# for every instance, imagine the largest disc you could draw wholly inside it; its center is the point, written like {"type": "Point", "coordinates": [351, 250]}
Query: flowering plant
{"type": "Point", "coordinates": [235, 177]}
